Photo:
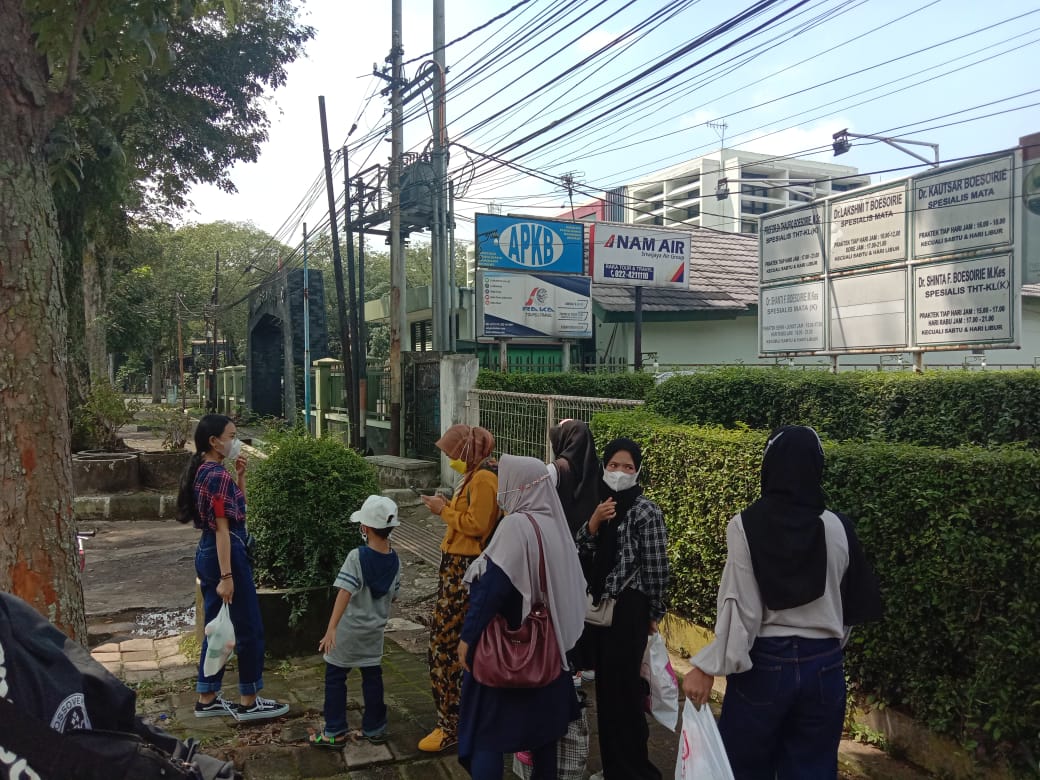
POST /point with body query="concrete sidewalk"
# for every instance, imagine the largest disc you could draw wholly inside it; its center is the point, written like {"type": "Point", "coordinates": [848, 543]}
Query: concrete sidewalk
{"type": "Point", "coordinates": [279, 749]}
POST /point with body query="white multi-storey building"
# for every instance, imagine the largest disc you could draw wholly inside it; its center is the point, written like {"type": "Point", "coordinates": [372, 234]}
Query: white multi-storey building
{"type": "Point", "coordinates": [688, 192]}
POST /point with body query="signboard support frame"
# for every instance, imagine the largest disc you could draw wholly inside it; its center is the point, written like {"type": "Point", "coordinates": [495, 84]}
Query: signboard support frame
{"type": "Point", "coordinates": [503, 355]}
{"type": "Point", "coordinates": [638, 338]}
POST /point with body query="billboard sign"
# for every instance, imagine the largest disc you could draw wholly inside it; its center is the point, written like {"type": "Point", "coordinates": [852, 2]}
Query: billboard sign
{"type": "Point", "coordinates": [524, 244]}
{"type": "Point", "coordinates": [638, 257]}
{"type": "Point", "coordinates": [868, 229]}
{"type": "Point", "coordinates": [966, 207]}
{"type": "Point", "coordinates": [965, 301]}
{"type": "Point", "coordinates": [512, 305]}
{"type": "Point", "coordinates": [791, 318]}
{"type": "Point", "coordinates": [932, 261]}
{"type": "Point", "coordinates": [792, 244]}
{"type": "Point", "coordinates": [1031, 208]}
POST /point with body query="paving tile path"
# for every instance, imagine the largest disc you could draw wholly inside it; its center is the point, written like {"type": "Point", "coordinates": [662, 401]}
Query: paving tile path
{"type": "Point", "coordinates": [278, 750]}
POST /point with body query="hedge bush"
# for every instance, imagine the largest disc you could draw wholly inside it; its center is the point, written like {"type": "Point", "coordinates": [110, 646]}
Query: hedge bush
{"type": "Point", "coordinates": [597, 385]}
{"type": "Point", "coordinates": [937, 408]}
{"type": "Point", "coordinates": [300, 502]}
{"type": "Point", "coordinates": [954, 536]}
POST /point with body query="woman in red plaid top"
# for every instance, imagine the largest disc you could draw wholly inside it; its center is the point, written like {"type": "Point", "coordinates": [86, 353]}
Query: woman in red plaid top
{"type": "Point", "coordinates": [215, 501]}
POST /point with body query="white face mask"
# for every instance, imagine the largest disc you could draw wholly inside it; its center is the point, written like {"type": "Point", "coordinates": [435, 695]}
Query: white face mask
{"type": "Point", "coordinates": [232, 450]}
{"type": "Point", "coordinates": [619, 480]}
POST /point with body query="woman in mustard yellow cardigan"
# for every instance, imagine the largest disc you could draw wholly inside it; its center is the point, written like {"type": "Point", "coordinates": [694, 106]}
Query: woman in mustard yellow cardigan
{"type": "Point", "coordinates": [469, 517]}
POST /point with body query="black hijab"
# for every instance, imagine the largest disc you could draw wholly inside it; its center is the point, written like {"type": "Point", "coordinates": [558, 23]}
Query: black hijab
{"type": "Point", "coordinates": [784, 530]}
{"type": "Point", "coordinates": [578, 469]}
{"type": "Point", "coordinates": [605, 558]}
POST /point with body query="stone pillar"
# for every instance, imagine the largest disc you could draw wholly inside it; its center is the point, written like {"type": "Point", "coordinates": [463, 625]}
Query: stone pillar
{"type": "Point", "coordinates": [458, 377]}
{"type": "Point", "coordinates": [322, 392]}
{"type": "Point", "coordinates": [238, 385]}
{"type": "Point", "coordinates": [221, 392]}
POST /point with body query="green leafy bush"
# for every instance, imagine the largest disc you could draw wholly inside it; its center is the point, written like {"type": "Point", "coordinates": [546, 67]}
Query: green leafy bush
{"type": "Point", "coordinates": [597, 385]}
{"type": "Point", "coordinates": [96, 422]}
{"type": "Point", "coordinates": [937, 408]}
{"type": "Point", "coordinates": [955, 539]}
{"type": "Point", "coordinates": [176, 426]}
{"type": "Point", "coordinates": [300, 502]}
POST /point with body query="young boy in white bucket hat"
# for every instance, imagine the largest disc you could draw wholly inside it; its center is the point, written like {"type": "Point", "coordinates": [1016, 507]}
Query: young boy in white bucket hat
{"type": "Point", "coordinates": [368, 581]}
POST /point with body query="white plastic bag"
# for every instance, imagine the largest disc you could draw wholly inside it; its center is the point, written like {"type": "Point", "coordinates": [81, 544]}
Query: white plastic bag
{"type": "Point", "coordinates": [221, 642]}
{"type": "Point", "coordinates": [657, 670]}
{"type": "Point", "coordinates": [702, 756]}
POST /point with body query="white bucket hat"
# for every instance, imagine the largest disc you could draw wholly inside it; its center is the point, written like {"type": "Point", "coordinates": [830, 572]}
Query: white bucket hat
{"type": "Point", "coordinates": [377, 512]}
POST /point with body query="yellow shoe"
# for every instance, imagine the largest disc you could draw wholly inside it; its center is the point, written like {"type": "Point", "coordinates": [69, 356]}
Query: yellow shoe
{"type": "Point", "coordinates": [436, 741]}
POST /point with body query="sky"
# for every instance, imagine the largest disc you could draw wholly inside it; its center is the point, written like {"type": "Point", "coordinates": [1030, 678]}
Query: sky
{"type": "Point", "coordinates": [958, 73]}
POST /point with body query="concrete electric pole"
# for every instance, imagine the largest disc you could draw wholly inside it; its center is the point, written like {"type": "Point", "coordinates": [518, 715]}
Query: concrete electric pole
{"type": "Point", "coordinates": [398, 307]}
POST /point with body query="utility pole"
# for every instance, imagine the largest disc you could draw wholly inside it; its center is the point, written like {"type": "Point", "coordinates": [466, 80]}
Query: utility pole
{"type": "Point", "coordinates": [398, 306]}
{"type": "Point", "coordinates": [357, 409]}
{"type": "Point", "coordinates": [453, 288]}
{"type": "Point", "coordinates": [439, 238]}
{"type": "Point", "coordinates": [306, 335]}
{"type": "Point", "coordinates": [362, 340]}
{"type": "Point", "coordinates": [213, 363]}
{"type": "Point", "coordinates": [337, 264]}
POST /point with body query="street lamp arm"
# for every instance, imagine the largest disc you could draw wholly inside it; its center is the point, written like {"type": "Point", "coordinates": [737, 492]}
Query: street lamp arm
{"type": "Point", "coordinates": [841, 145]}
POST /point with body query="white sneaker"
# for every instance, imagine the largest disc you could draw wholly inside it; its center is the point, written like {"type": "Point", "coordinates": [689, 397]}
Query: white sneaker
{"type": "Point", "coordinates": [577, 680]}
{"type": "Point", "coordinates": [588, 676]}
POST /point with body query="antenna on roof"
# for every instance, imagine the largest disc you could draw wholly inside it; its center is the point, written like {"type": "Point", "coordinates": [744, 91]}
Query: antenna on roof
{"type": "Point", "coordinates": [720, 127]}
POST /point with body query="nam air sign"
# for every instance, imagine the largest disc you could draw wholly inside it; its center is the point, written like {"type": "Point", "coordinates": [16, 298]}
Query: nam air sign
{"type": "Point", "coordinates": [523, 244]}
{"type": "Point", "coordinates": [640, 257]}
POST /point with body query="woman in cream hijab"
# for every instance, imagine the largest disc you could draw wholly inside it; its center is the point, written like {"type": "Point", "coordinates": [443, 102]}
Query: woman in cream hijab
{"type": "Point", "coordinates": [504, 581]}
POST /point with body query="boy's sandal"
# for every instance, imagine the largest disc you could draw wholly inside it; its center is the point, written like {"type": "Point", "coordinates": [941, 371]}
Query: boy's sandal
{"type": "Point", "coordinates": [322, 740]}
{"type": "Point", "coordinates": [357, 735]}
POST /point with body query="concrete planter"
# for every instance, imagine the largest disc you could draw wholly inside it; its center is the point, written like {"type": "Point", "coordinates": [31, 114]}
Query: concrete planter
{"type": "Point", "coordinates": [282, 640]}
{"type": "Point", "coordinates": [94, 473]}
{"type": "Point", "coordinates": [161, 469]}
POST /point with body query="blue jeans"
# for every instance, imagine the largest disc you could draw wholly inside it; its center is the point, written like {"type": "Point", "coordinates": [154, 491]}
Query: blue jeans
{"type": "Point", "coordinates": [373, 721]}
{"type": "Point", "coordinates": [245, 614]}
{"type": "Point", "coordinates": [783, 717]}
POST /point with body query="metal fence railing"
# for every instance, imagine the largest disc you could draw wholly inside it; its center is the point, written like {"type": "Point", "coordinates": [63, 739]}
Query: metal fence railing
{"type": "Point", "coordinates": [520, 422]}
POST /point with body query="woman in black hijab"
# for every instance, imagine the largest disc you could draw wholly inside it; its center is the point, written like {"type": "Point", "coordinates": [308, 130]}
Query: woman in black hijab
{"type": "Point", "coordinates": [577, 471]}
{"type": "Point", "coordinates": [624, 552]}
{"type": "Point", "coordinates": [795, 579]}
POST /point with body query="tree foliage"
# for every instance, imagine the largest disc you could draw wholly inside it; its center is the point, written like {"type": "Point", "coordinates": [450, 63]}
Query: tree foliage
{"type": "Point", "coordinates": [73, 76]}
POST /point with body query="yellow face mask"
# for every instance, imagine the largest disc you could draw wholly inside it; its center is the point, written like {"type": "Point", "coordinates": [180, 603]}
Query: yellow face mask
{"type": "Point", "coordinates": [458, 465]}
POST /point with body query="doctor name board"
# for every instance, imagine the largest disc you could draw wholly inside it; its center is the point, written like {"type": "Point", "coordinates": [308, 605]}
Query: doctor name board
{"type": "Point", "coordinates": [868, 229]}
{"type": "Point", "coordinates": [791, 244]}
{"type": "Point", "coordinates": [966, 207]}
{"type": "Point", "coordinates": [791, 318]}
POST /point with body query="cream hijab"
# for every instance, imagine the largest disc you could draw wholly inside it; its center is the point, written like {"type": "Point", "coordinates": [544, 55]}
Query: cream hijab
{"type": "Point", "coordinates": [525, 486]}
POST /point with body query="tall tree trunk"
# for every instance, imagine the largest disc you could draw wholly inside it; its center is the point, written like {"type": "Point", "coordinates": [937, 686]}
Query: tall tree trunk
{"type": "Point", "coordinates": [156, 375]}
{"type": "Point", "coordinates": [70, 236]}
{"type": "Point", "coordinates": [93, 308]}
{"type": "Point", "coordinates": [37, 550]}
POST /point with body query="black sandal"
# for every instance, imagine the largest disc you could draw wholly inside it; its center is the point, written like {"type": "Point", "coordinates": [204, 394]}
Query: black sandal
{"type": "Point", "coordinates": [323, 740]}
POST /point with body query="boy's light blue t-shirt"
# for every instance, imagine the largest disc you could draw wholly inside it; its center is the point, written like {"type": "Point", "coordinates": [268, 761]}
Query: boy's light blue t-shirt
{"type": "Point", "coordinates": [359, 636]}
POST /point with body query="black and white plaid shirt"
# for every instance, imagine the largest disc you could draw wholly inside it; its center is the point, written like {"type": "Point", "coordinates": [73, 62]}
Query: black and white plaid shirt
{"type": "Point", "coordinates": [642, 545]}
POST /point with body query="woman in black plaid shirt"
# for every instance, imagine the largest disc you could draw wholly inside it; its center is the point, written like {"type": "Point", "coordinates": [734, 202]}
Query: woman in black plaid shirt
{"type": "Point", "coordinates": [624, 552]}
